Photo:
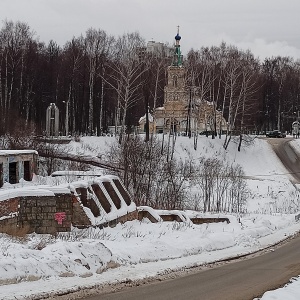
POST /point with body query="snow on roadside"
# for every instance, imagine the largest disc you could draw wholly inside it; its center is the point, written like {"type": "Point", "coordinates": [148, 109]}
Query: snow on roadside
{"type": "Point", "coordinates": [41, 265]}
{"type": "Point", "coordinates": [290, 291]}
{"type": "Point", "coordinates": [137, 249]}
{"type": "Point", "coordinates": [43, 257]}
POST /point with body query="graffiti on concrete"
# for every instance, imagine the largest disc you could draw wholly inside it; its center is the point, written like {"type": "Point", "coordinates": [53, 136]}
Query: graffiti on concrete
{"type": "Point", "coordinates": [59, 217]}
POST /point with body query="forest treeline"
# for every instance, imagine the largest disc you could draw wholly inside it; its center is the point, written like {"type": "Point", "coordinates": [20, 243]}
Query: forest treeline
{"type": "Point", "coordinates": [99, 80]}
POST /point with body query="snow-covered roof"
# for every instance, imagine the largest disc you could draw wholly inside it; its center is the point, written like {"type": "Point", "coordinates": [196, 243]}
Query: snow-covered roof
{"type": "Point", "coordinates": [143, 118]}
{"type": "Point", "coordinates": [21, 192]}
{"type": "Point", "coordinates": [17, 152]}
{"type": "Point", "coordinates": [98, 172]}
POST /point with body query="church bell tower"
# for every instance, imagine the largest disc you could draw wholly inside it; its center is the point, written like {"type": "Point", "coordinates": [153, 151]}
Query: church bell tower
{"type": "Point", "coordinates": [175, 89]}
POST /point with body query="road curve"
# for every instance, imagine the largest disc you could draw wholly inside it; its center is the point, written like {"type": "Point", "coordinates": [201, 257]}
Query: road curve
{"type": "Point", "coordinates": [240, 280]}
{"type": "Point", "coordinates": [288, 156]}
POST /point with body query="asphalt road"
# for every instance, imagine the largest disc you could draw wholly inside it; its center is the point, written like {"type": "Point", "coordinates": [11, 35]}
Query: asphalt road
{"type": "Point", "coordinates": [241, 280]}
{"type": "Point", "coordinates": [289, 158]}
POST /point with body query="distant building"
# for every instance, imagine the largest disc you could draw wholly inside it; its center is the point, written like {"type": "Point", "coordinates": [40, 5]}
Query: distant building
{"type": "Point", "coordinates": [182, 111]}
{"type": "Point", "coordinates": [155, 49]}
{"type": "Point", "coordinates": [17, 164]}
{"type": "Point", "coordinates": [159, 49]}
{"type": "Point", "coordinates": [152, 124]}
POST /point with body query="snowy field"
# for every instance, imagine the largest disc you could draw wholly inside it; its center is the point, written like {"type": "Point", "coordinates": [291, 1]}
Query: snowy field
{"type": "Point", "coordinates": [39, 266]}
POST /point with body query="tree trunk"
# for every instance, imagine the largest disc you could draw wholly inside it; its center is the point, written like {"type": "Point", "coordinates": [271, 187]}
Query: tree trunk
{"type": "Point", "coordinates": [101, 107]}
{"type": "Point", "coordinates": [91, 99]}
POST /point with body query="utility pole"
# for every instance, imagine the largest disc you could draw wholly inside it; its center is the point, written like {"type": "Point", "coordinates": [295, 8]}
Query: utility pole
{"type": "Point", "coordinates": [66, 117]}
{"type": "Point", "coordinates": [188, 121]}
{"type": "Point", "coordinates": [147, 119]}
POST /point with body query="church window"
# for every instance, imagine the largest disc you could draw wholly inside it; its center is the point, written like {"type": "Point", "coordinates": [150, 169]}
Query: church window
{"type": "Point", "coordinates": [175, 81]}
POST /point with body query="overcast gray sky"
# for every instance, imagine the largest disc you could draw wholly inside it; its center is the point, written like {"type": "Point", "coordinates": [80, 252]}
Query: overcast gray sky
{"type": "Point", "coordinates": [266, 27]}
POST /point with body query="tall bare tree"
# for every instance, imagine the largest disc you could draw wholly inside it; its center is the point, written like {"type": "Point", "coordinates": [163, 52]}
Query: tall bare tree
{"type": "Point", "coordinates": [74, 57]}
{"type": "Point", "coordinates": [97, 47]}
{"type": "Point", "coordinates": [126, 73]}
{"type": "Point", "coordinates": [14, 42]}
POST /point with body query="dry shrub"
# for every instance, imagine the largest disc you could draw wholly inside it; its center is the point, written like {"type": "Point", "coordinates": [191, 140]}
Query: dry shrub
{"type": "Point", "coordinates": [21, 136]}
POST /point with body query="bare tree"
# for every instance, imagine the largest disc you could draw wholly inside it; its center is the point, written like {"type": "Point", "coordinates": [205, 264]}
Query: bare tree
{"type": "Point", "coordinates": [139, 163]}
{"type": "Point", "coordinates": [14, 41]}
{"type": "Point", "coordinates": [126, 74]}
{"type": "Point", "coordinates": [74, 56]}
{"type": "Point", "coordinates": [221, 186]}
{"type": "Point", "coordinates": [249, 88]}
{"type": "Point", "coordinates": [232, 87]}
{"type": "Point", "coordinates": [97, 46]}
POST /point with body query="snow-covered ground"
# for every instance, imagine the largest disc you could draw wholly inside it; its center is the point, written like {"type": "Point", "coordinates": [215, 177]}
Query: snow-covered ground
{"type": "Point", "coordinates": [37, 266]}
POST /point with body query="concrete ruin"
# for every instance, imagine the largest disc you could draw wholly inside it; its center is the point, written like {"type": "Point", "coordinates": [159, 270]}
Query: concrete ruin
{"type": "Point", "coordinates": [158, 215]}
{"type": "Point", "coordinates": [101, 202]}
{"type": "Point", "coordinates": [98, 201]}
{"type": "Point", "coordinates": [16, 165]}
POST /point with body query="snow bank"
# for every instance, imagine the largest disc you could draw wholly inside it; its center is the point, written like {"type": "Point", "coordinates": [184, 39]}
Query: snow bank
{"type": "Point", "coordinates": [145, 249]}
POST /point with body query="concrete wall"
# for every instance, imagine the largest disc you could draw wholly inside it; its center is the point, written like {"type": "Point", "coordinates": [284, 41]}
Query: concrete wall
{"type": "Point", "coordinates": [10, 226]}
{"type": "Point", "coordinates": [79, 218]}
{"type": "Point", "coordinates": [105, 202]}
{"type": "Point", "coordinates": [40, 214]}
{"type": "Point", "coordinates": [46, 214]}
{"type": "Point", "coordinates": [11, 156]}
{"type": "Point", "coordinates": [9, 206]}
{"type": "Point", "coordinates": [53, 214]}
{"type": "Point", "coordinates": [98, 203]}
{"type": "Point", "coordinates": [146, 214]}
{"type": "Point", "coordinates": [209, 220]}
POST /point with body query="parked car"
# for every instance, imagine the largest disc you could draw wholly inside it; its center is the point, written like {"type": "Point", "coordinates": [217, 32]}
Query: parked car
{"type": "Point", "coordinates": [275, 134]}
{"type": "Point", "coordinates": [207, 132]}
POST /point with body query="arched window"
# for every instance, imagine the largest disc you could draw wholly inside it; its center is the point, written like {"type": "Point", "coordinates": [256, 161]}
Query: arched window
{"type": "Point", "coordinates": [175, 81]}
